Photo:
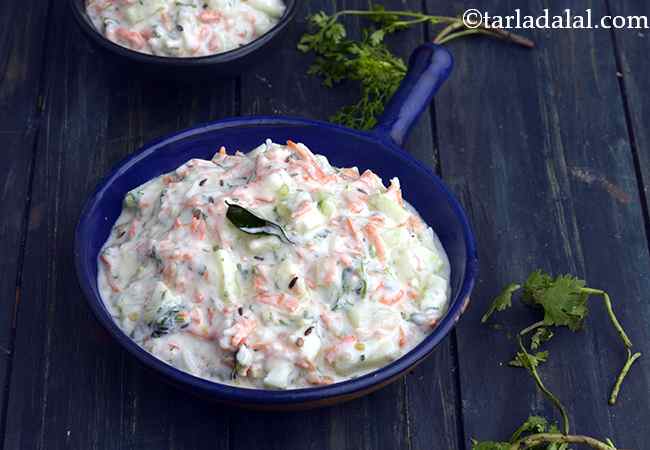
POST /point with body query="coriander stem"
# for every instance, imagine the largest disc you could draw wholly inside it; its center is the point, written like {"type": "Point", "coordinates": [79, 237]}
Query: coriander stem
{"type": "Point", "coordinates": [610, 312]}
{"type": "Point", "coordinates": [446, 31]}
{"type": "Point", "coordinates": [530, 328]}
{"type": "Point", "coordinates": [408, 23]}
{"type": "Point", "coordinates": [447, 34]}
{"type": "Point", "coordinates": [621, 376]}
{"type": "Point", "coordinates": [626, 341]}
{"type": "Point", "coordinates": [534, 440]}
{"type": "Point", "coordinates": [533, 372]}
{"type": "Point", "coordinates": [492, 32]}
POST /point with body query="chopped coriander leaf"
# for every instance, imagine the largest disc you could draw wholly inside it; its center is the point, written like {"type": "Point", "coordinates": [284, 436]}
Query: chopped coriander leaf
{"type": "Point", "coordinates": [489, 445]}
{"type": "Point", "coordinates": [530, 363]}
{"type": "Point", "coordinates": [563, 300]}
{"type": "Point", "coordinates": [534, 424]}
{"type": "Point", "coordinates": [502, 301]}
{"type": "Point", "coordinates": [528, 360]}
{"type": "Point", "coordinates": [541, 335]}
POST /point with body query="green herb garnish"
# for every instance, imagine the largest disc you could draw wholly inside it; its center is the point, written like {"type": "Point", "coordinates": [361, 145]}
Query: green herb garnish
{"type": "Point", "coordinates": [132, 199]}
{"type": "Point", "coordinates": [250, 223]}
{"type": "Point", "coordinates": [168, 320]}
{"type": "Point", "coordinates": [564, 301]}
{"type": "Point", "coordinates": [503, 301]}
{"type": "Point", "coordinates": [537, 434]}
{"type": "Point", "coordinates": [368, 60]}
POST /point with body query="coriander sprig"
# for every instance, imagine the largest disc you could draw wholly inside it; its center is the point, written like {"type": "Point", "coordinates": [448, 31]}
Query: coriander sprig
{"type": "Point", "coordinates": [564, 303]}
{"type": "Point", "coordinates": [537, 434]}
{"type": "Point", "coordinates": [369, 61]}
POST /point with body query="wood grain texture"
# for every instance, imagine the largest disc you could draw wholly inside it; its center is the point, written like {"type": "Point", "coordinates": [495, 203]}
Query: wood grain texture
{"type": "Point", "coordinates": [632, 47]}
{"type": "Point", "coordinates": [535, 143]}
{"type": "Point", "coordinates": [22, 30]}
{"type": "Point", "coordinates": [71, 386]}
{"type": "Point", "coordinates": [536, 146]}
{"type": "Point", "coordinates": [410, 412]}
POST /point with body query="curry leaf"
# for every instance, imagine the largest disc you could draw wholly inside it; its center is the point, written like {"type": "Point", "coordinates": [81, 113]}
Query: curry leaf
{"type": "Point", "coordinates": [250, 223]}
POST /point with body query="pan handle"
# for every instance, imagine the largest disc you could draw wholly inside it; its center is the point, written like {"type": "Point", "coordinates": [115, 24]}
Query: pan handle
{"type": "Point", "coordinates": [429, 67]}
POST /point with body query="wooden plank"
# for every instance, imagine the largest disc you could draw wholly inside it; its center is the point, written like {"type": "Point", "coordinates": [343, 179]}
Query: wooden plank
{"type": "Point", "coordinates": [632, 49]}
{"type": "Point", "coordinates": [21, 61]}
{"type": "Point", "coordinates": [72, 387]}
{"type": "Point", "coordinates": [536, 146]}
{"type": "Point", "coordinates": [410, 413]}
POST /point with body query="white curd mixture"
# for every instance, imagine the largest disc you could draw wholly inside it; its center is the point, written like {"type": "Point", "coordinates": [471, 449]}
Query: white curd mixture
{"type": "Point", "coordinates": [184, 28]}
{"type": "Point", "coordinates": [273, 269]}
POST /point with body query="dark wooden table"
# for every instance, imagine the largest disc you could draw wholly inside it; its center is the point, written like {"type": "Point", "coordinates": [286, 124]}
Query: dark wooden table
{"type": "Point", "coordinates": [549, 151]}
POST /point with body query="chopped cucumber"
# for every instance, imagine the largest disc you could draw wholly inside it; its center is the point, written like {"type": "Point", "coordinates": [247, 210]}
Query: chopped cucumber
{"type": "Point", "coordinates": [309, 221]}
{"type": "Point", "coordinates": [366, 314]}
{"type": "Point", "coordinates": [264, 244]}
{"type": "Point", "coordinates": [434, 295]}
{"type": "Point", "coordinates": [274, 8]}
{"type": "Point", "coordinates": [278, 376]}
{"type": "Point", "coordinates": [396, 237]}
{"type": "Point", "coordinates": [416, 262]}
{"type": "Point", "coordinates": [228, 275]}
{"type": "Point", "coordinates": [385, 204]}
{"type": "Point", "coordinates": [366, 355]}
{"type": "Point", "coordinates": [276, 180]}
{"type": "Point", "coordinates": [327, 206]}
{"type": "Point", "coordinates": [283, 191]}
{"type": "Point", "coordinates": [285, 272]}
{"type": "Point", "coordinates": [143, 9]}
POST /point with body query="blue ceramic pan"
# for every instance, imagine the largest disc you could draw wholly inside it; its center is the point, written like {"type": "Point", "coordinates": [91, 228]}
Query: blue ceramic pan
{"type": "Point", "coordinates": [378, 150]}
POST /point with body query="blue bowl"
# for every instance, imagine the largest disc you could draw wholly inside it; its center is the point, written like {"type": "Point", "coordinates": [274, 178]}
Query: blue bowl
{"type": "Point", "coordinates": [191, 69]}
{"type": "Point", "coordinates": [378, 150]}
